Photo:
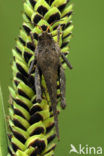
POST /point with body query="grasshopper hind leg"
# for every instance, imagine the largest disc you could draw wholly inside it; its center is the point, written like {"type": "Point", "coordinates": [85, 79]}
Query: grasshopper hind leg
{"type": "Point", "coordinates": [38, 85]}
{"type": "Point", "coordinates": [62, 87]}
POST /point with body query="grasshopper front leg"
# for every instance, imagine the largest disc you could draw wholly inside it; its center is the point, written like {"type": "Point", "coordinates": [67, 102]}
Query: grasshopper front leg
{"type": "Point", "coordinates": [38, 85]}
{"type": "Point", "coordinates": [31, 66]}
{"type": "Point", "coordinates": [58, 33]}
{"type": "Point", "coordinates": [62, 55]}
{"type": "Point", "coordinates": [66, 60]}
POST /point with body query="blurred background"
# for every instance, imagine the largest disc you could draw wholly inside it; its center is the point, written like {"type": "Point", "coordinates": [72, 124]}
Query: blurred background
{"type": "Point", "coordinates": [83, 120]}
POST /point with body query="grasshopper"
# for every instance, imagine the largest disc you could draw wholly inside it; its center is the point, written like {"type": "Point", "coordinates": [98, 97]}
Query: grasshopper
{"type": "Point", "coordinates": [47, 61]}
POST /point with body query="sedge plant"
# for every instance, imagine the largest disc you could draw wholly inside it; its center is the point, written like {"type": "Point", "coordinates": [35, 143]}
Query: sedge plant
{"type": "Point", "coordinates": [31, 123]}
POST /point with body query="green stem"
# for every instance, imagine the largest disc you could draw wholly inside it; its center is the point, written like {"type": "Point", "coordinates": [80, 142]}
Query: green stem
{"type": "Point", "coordinates": [3, 128]}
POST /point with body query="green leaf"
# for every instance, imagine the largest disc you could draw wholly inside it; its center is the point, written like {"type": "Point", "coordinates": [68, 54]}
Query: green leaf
{"type": "Point", "coordinates": [3, 134]}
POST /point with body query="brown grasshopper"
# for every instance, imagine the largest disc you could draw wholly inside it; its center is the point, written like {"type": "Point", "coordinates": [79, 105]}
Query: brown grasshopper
{"type": "Point", "coordinates": [47, 60]}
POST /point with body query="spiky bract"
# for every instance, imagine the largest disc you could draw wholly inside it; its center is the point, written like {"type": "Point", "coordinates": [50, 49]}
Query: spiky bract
{"type": "Point", "coordinates": [31, 123]}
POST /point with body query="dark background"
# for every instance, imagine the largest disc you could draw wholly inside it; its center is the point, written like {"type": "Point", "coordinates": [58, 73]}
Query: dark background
{"type": "Point", "coordinates": [83, 120]}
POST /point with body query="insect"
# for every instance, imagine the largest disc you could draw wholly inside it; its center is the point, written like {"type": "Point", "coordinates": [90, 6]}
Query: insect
{"type": "Point", "coordinates": [47, 61]}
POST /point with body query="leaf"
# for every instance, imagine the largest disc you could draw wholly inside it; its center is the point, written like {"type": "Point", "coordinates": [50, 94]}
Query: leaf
{"type": "Point", "coordinates": [3, 134]}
